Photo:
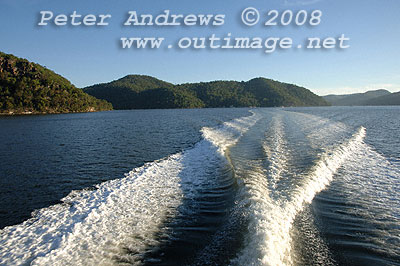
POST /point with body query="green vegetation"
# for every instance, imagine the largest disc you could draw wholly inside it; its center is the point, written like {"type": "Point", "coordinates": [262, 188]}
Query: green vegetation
{"type": "Point", "coordinates": [144, 92]}
{"type": "Point", "coordinates": [375, 97]}
{"type": "Point", "coordinates": [26, 87]}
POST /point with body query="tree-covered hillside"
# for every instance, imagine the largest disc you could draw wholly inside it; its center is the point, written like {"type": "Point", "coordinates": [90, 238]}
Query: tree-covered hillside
{"type": "Point", "coordinates": [26, 87]}
{"type": "Point", "coordinates": [143, 92]}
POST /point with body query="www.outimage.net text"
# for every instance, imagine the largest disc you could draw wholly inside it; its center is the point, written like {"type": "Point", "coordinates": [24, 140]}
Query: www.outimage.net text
{"type": "Point", "coordinates": [249, 17]}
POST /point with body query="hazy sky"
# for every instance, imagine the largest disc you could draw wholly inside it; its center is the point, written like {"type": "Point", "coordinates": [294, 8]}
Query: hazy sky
{"type": "Point", "coordinates": [88, 55]}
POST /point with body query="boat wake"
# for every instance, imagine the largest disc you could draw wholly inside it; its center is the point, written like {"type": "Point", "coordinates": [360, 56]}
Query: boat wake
{"type": "Point", "coordinates": [119, 219]}
{"type": "Point", "coordinates": [268, 241]}
{"type": "Point", "coordinates": [234, 198]}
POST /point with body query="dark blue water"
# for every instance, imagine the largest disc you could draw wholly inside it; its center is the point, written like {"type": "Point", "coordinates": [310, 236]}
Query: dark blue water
{"type": "Point", "coordinates": [269, 186]}
{"type": "Point", "coordinates": [43, 158]}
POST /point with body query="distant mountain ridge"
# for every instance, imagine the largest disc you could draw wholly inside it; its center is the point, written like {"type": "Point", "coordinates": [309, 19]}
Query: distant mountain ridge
{"type": "Point", "coordinates": [374, 97]}
{"type": "Point", "coordinates": [26, 87]}
{"type": "Point", "coordinates": [146, 92]}
{"type": "Point", "coordinates": [390, 99]}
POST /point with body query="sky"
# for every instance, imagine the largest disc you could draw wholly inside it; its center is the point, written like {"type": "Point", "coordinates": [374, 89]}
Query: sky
{"type": "Point", "coordinates": [88, 55]}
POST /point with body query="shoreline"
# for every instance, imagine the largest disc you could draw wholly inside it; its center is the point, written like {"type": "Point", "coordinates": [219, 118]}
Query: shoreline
{"type": "Point", "coordinates": [249, 107]}
{"type": "Point", "coordinates": [46, 113]}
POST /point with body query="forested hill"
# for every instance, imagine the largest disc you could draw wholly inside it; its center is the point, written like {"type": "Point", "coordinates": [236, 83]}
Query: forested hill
{"type": "Point", "coordinates": [145, 92]}
{"type": "Point", "coordinates": [26, 87]}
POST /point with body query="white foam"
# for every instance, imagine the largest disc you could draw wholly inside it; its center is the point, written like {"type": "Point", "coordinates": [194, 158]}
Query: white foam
{"type": "Point", "coordinates": [96, 227]}
{"type": "Point", "coordinates": [318, 130]}
{"type": "Point", "coordinates": [276, 149]}
{"type": "Point", "coordinates": [119, 219]}
{"type": "Point", "coordinates": [230, 132]}
{"type": "Point", "coordinates": [269, 240]}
